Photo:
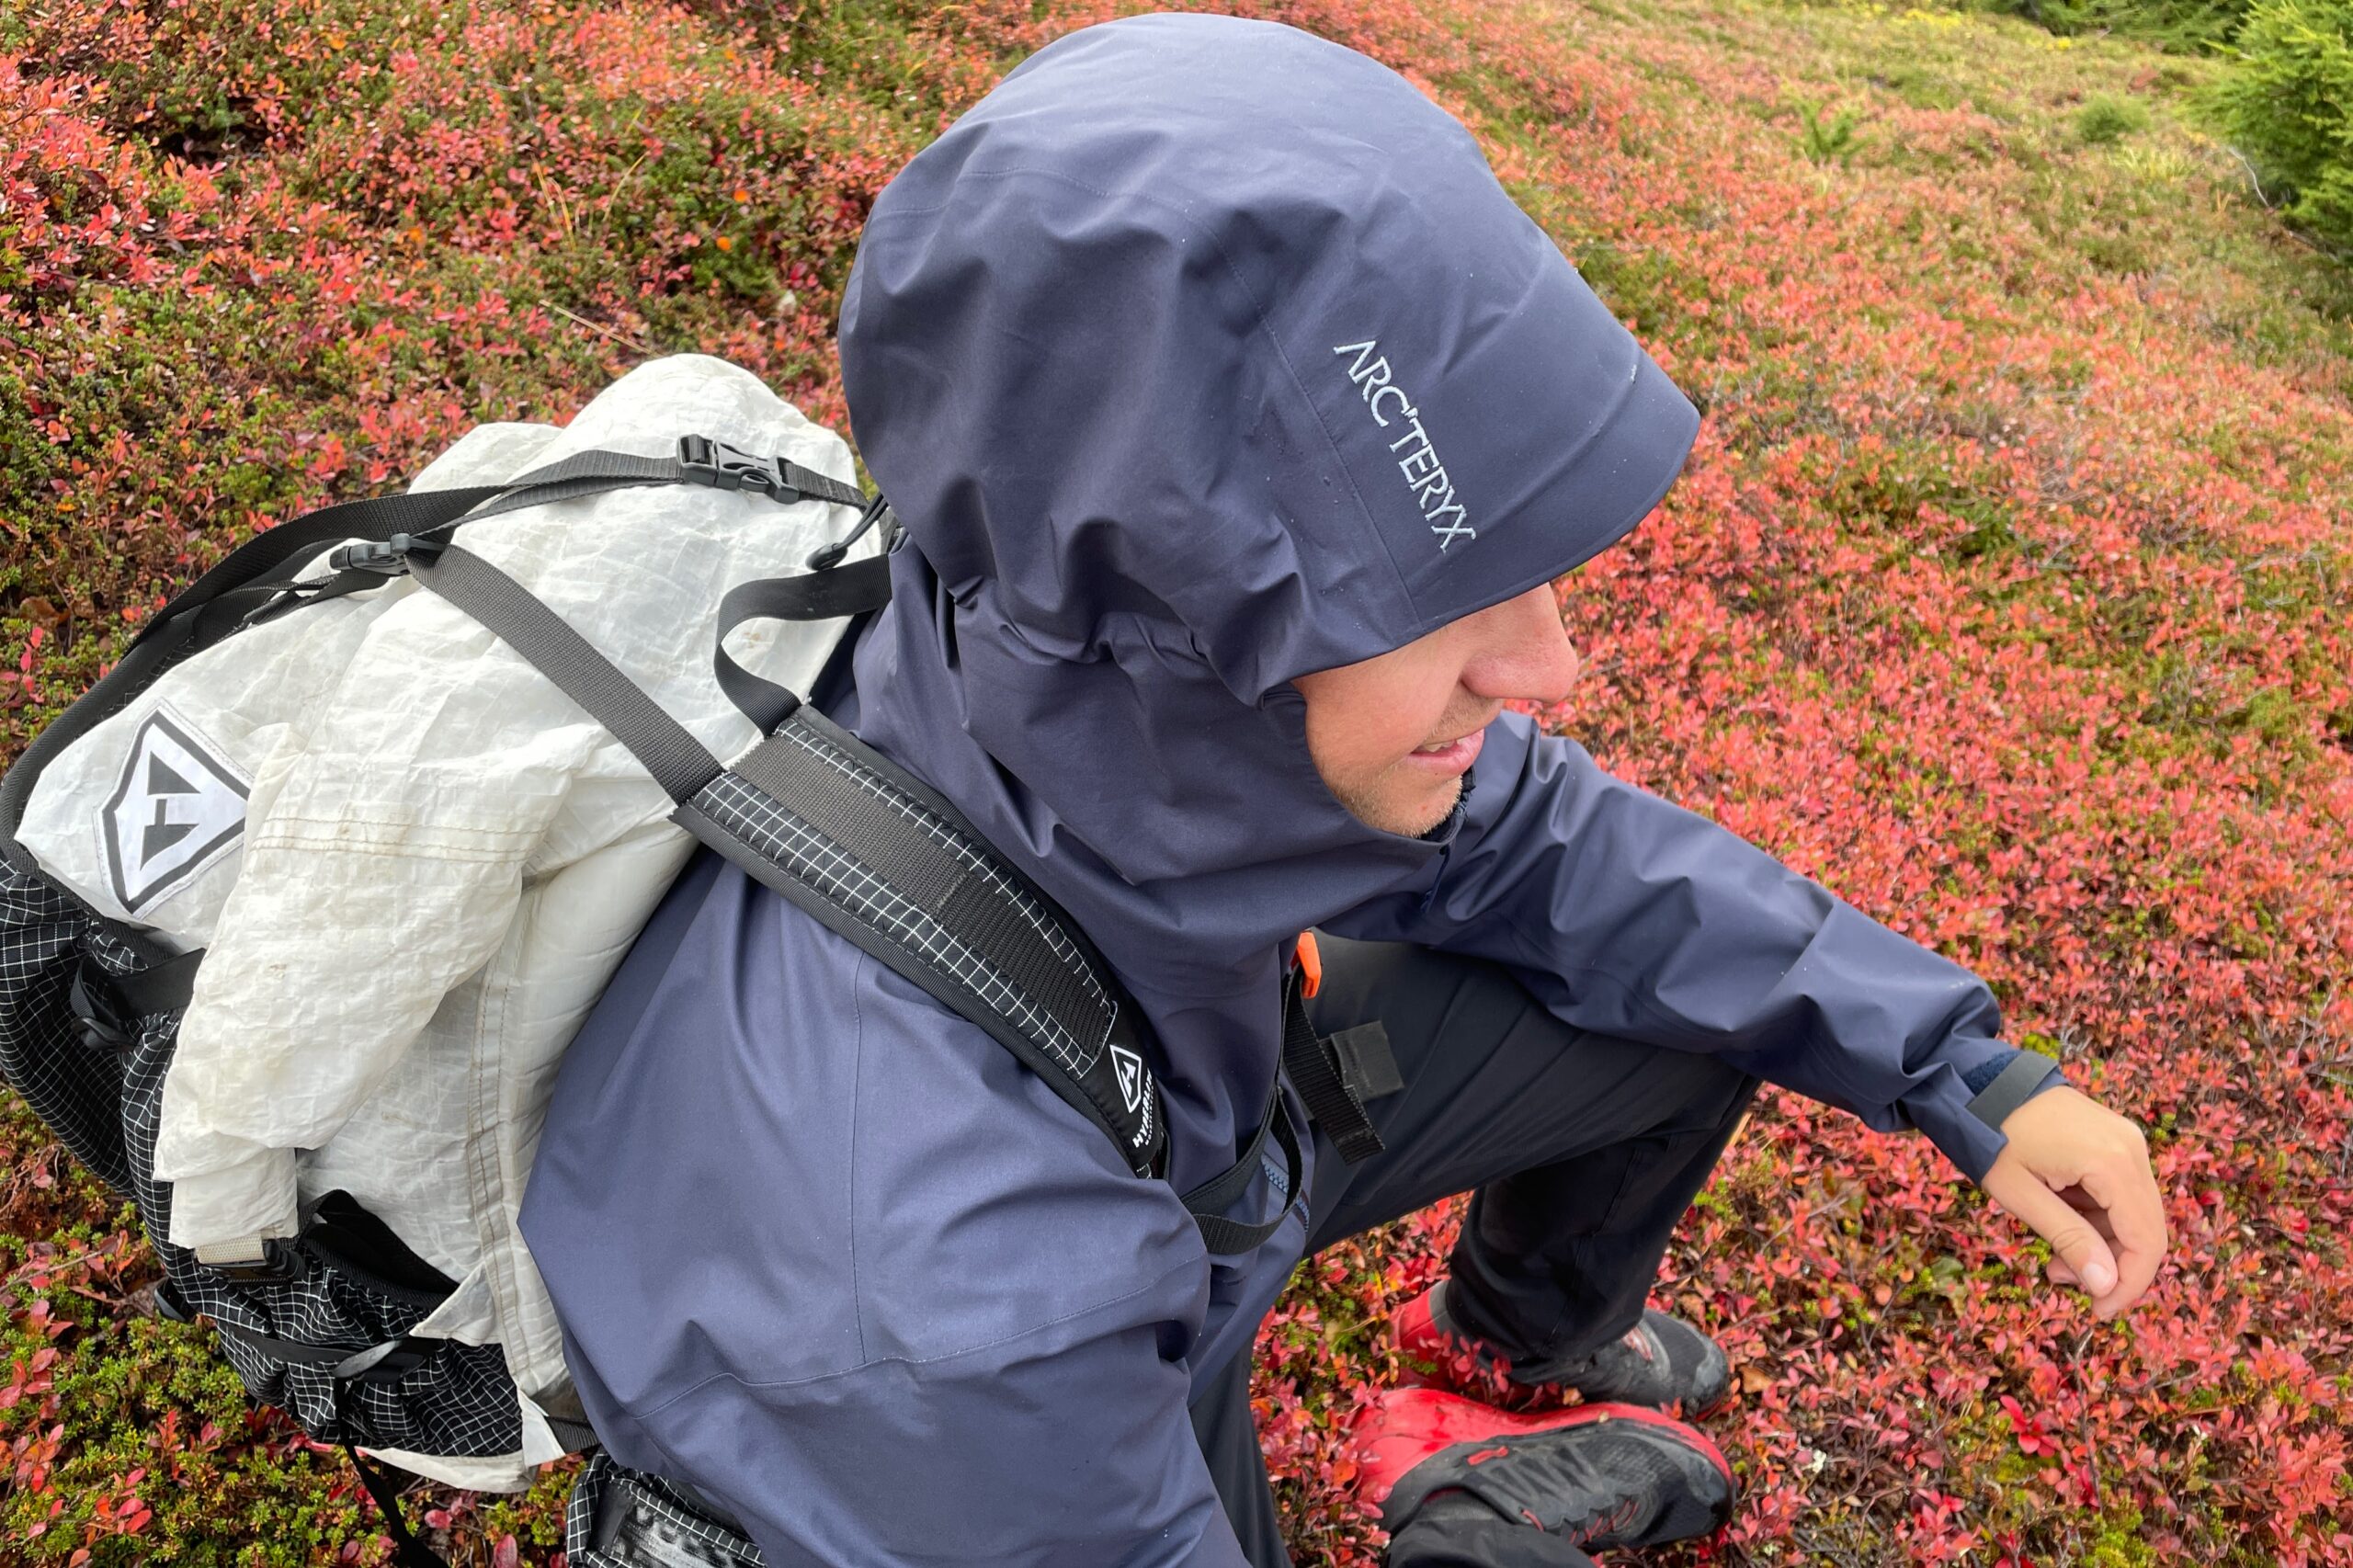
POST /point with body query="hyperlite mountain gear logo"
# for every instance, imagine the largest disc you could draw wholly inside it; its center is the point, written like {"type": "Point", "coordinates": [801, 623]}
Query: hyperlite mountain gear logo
{"type": "Point", "coordinates": [1130, 1067]}
{"type": "Point", "coordinates": [1417, 459]}
{"type": "Point", "coordinates": [179, 807]}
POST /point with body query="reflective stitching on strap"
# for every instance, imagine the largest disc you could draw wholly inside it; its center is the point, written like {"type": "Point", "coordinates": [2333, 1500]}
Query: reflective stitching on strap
{"type": "Point", "coordinates": [786, 841]}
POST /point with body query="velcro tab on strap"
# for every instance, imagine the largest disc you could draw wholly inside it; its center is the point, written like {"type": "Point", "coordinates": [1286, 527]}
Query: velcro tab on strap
{"type": "Point", "coordinates": [1367, 1064]}
{"type": "Point", "coordinates": [1314, 1064]}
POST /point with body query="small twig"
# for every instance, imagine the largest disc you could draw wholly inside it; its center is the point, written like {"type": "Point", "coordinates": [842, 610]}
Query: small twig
{"type": "Point", "coordinates": [605, 207]}
{"type": "Point", "coordinates": [555, 197]}
{"type": "Point", "coordinates": [2253, 178]}
{"type": "Point", "coordinates": [55, 1265]}
{"type": "Point", "coordinates": [599, 327]}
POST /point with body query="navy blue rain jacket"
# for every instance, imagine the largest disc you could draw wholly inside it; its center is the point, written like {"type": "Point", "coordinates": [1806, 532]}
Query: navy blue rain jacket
{"type": "Point", "coordinates": [1202, 354]}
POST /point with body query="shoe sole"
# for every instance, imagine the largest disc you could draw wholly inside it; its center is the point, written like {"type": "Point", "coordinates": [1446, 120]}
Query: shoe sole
{"type": "Point", "coordinates": [1445, 1428]}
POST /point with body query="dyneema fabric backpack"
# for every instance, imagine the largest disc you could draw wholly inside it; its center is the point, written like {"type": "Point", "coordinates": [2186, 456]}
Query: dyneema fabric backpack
{"type": "Point", "coordinates": [300, 904]}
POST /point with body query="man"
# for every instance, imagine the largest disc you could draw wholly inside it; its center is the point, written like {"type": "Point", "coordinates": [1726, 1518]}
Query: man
{"type": "Point", "coordinates": [1240, 423]}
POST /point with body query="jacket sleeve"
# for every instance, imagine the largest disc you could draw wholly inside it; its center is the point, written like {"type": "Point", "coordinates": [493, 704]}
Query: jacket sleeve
{"type": "Point", "coordinates": [1630, 916]}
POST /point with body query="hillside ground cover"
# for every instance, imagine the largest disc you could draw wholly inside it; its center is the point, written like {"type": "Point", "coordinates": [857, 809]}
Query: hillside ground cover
{"type": "Point", "coordinates": [2005, 595]}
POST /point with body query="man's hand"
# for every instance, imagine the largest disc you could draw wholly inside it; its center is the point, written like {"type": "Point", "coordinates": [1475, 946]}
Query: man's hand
{"type": "Point", "coordinates": [2079, 1174]}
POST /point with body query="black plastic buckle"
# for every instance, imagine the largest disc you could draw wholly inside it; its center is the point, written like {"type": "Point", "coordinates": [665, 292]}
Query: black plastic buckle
{"type": "Point", "coordinates": [723, 467]}
{"type": "Point", "coordinates": [170, 1305]}
{"type": "Point", "coordinates": [279, 1263]}
{"type": "Point", "coordinates": [825, 557]}
{"type": "Point", "coordinates": [97, 1015]}
{"type": "Point", "coordinates": [387, 558]}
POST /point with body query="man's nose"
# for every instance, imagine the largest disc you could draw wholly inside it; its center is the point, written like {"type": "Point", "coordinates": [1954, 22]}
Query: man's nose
{"type": "Point", "coordinates": [1525, 652]}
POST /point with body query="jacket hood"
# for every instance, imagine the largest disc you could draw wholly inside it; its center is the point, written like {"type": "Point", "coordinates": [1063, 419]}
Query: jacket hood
{"type": "Point", "coordinates": [1204, 353]}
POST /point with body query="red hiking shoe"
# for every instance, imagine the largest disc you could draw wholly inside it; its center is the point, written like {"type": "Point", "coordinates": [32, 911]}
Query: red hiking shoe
{"type": "Point", "coordinates": [1662, 1362]}
{"type": "Point", "coordinates": [1597, 1475]}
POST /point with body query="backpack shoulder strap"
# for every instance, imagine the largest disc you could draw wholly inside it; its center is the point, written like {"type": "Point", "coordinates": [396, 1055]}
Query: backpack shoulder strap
{"type": "Point", "coordinates": [875, 854]}
{"type": "Point", "coordinates": [879, 857]}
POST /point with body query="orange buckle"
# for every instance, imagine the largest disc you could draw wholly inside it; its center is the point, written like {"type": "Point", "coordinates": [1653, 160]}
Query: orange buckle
{"type": "Point", "coordinates": [1310, 963]}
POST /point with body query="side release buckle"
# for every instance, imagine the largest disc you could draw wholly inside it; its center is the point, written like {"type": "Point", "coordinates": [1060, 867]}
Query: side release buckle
{"type": "Point", "coordinates": [267, 1260]}
{"type": "Point", "coordinates": [97, 1015]}
{"type": "Point", "coordinates": [723, 467]}
{"type": "Point", "coordinates": [386, 558]}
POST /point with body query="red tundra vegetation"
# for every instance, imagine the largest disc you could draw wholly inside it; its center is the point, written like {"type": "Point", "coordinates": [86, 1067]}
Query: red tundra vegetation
{"type": "Point", "coordinates": [2005, 594]}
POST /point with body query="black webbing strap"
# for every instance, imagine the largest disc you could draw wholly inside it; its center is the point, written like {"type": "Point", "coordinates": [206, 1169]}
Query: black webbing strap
{"type": "Point", "coordinates": [1227, 1237]}
{"type": "Point", "coordinates": [702, 460]}
{"type": "Point", "coordinates": [419, 513]}
{"type": "Point", "coordinates": [1332, 1101]}
{"type": "Point", "coordinates": [382, 1363]}
{"type": "Point", "coordinates": [434, 512]}
{"type": "Point", "coordinates": [1232, 1182]}
{"type": "Point", "coordinates": [848, 589]}
{"type": "Point", "coordinates": [407, 1550]}
{"type": "Point", "coordinates": [679, 763]}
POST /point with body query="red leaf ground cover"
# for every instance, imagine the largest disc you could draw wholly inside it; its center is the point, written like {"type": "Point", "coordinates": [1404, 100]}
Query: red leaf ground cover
{"type": "Point", "coordinates": [2005, 594]}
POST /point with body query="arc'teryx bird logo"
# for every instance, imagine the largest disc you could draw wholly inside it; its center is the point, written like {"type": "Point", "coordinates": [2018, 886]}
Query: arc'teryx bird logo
{"type": "Point", "coordinates": [1433, 491]}
{"type": "Point", "coordinates": [177, 807]}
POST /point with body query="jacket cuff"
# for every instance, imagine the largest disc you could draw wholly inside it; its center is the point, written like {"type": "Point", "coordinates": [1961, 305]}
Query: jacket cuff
{"type": "Point", "coordinates": [2027, 1075]}
{"type": "Point", "coordinates": [1948, 1103]}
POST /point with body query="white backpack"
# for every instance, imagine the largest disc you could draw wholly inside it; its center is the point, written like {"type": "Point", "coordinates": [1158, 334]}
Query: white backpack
{"type": "Point", "coordinates": [412, 864]}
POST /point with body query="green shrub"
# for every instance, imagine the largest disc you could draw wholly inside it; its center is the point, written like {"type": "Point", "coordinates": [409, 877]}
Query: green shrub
{"type": "Point", "coordinates": [2107, 117]}
{"type": "Point", "coordinates": [2185, 26]}
{"type": "Point", "coordinates": [2288, 108]}
{"type": "Point", "coordinates": [1831, 139]}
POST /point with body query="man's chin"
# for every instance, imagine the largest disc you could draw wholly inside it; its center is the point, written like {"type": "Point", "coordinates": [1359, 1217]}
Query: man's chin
{"type": "Point", "coordinates": [1412, 817]}
{"type": "Point", "coordinates": [1445, 809]}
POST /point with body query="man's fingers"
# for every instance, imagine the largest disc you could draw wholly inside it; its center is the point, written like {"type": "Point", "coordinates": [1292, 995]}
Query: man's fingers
{"type": "Point", "coordinates": [2079, 1174]}
{"type": "Point", "coordinates": [2072, 1236]}
{"type": "Point", "coordinates": [2091, 1209]}
{"type": "Point", "coordinates": [2080, 1200]}
{"type": "Point", "coordinates": [2136, 1220]}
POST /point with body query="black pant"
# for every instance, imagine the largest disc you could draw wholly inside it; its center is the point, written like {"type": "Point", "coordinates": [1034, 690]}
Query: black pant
{"type": "Point", "coordinates": [1584, 1151]}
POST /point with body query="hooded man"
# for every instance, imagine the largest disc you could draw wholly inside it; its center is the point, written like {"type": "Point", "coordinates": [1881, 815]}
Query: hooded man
{"type": "Point", "coordinates": [1240, 423]}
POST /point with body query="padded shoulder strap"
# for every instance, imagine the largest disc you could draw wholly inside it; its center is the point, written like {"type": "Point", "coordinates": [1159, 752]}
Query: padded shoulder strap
{"type": "Point", "coordinates": [877, 856]}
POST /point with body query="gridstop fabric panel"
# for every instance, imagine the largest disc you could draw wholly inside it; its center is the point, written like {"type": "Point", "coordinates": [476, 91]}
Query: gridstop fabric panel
{"type": "Point", "coordinates": [103, 1101]}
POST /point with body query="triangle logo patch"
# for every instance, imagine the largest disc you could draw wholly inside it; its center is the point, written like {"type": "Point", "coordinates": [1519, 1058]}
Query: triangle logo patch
{"type": "Point", "coordinates": [179, 806]}
{"type": "Point", "coordinates": [1130, 1067]}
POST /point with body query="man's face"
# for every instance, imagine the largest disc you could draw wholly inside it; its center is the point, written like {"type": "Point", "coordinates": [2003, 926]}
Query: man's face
{"type": "Point", "coordinates": [1394, 735]}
